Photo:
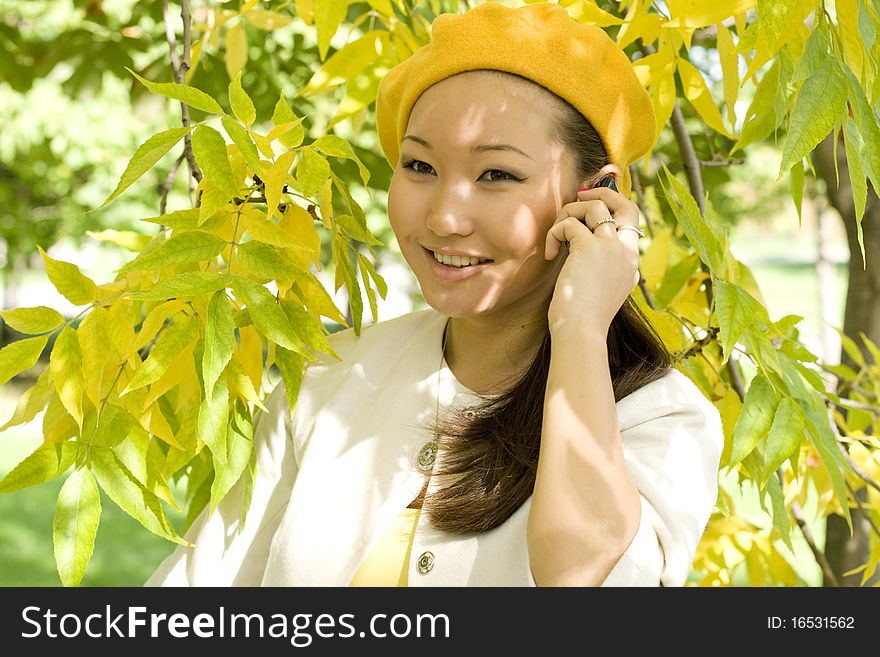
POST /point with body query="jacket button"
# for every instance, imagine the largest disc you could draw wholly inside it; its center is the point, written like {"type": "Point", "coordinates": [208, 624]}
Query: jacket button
{"type": "Point", "coordinates": [427, 454]}
{"type": "Point", "coordinates": [426, 562]}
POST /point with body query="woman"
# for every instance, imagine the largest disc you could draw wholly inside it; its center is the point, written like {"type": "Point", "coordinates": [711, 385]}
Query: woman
{"type": "Point", "coordinates": [528, 428]}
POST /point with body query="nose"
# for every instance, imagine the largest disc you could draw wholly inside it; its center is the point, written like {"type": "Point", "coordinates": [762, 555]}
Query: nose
{"type": "Point", "coordinates": [450, 210]}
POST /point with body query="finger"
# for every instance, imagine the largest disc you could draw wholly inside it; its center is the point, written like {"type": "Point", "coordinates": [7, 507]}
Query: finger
{"type": "Point", "coordinates": [630, 238]}
{"type": "Point", "coordinates": [564, 231]}
{"type": "Point", "coordinates": [621, 209]}
{"type": "Point", "coordinates": [590, 212]}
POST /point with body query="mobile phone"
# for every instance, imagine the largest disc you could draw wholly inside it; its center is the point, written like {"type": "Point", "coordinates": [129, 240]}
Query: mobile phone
{"type": "Point", "coordinates": [608, 181]}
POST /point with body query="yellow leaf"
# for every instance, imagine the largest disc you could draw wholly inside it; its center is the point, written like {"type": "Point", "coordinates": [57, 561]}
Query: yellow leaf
{"type": "Point", "coordinates": [274, 178]}
{"type": "Point", "coordinates": [639, 23]}
{"type": "Point", "coordinates": [75, 525]}
{"type": "Point", "coordinates": [236, 49]}
{"type": "Point", "coordinates": [347, 63]}
{"type": "Point", "coordinates": [699, 13]}
{"type": "Point", "coordinates": [154, 422]}
{"type": "Point", "coordinates": [250, 353]}
{"type": "Point", "coordinates": [20, 356]}
{"type": "Point", "coordinates": [729, 69]}
{"type": "Point", "coordinates": [696, 91]}
{"type": "Point", "coordinates": [76, 287]}
{"type": "Point", "coordinates": [127, 239]}
{"type": "Point", "coordinates": [32, 401]}
{"type": "Point", "coordinates": [663, 97]}
{"type": "Point", "coordinates": [242, 383]}
{"type": "Point", "coordinates": [267, 20]}
{"type": "Point", "coordinates": [65, 364]}
{"type": "Point", "coordinates": [328, 14]}
{"type": "Point", "coordinates": [242, 105]}
{"type": "Point", "coordinates": [301, 225]}
{"type": "Point", "coordinates": [31, 321]}
{"type": "Point", "coordinates": [729, 407]}
{"type": "Point", "coordinates": [305, 9]}
{"type": "Point", "coordinates": [654, 260]}
{"type": "Point", "coordinates": [182, 369]}
{"type": "Point", "coordinates": [99, 359]}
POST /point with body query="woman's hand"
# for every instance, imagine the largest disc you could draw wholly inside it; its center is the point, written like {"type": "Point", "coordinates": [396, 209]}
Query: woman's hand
{"type": "Point", "coordinates": [601, 267]}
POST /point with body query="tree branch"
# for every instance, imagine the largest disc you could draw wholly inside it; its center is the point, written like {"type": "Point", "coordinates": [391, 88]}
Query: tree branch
{"type": "Point", "coordinates": [817, 553]}
{"type": "Point", "coordinates": [179, 68]}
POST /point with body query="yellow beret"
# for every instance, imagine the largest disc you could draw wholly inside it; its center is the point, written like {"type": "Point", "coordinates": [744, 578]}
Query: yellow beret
{"type": "Point", "coordinates": [541, 42]}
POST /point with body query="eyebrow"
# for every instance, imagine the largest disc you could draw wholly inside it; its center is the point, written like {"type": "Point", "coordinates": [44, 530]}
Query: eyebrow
{"type": "Point", "coordinates": [480, 148]}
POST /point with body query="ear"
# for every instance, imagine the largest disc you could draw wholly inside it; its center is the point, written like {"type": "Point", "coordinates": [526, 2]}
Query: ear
{"type": "Point", "coordinates": [608, 170]}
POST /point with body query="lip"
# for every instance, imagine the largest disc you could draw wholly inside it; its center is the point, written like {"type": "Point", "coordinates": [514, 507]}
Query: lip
{"type": "Point", "coordinates": [446, 273]}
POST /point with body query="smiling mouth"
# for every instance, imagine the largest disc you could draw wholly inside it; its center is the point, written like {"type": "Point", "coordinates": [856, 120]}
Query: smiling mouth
{"type": "Point", "coordinates": [458, 262]}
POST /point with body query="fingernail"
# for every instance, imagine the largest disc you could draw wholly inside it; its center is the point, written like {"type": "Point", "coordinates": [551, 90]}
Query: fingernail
{"type": "Point", "coordinates": [585, 189]}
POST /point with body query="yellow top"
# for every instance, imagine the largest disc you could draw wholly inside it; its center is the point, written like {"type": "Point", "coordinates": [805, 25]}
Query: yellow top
{"type": "Point", "coordinates": [388, 562]}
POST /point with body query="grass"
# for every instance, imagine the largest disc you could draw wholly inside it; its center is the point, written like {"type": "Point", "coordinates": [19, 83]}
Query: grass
{"type": "Point", "coordinates": [125, 553]}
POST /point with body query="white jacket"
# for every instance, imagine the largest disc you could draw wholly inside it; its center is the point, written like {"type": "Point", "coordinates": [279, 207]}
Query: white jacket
{"type": "Point", "coordinates": [332, 480]}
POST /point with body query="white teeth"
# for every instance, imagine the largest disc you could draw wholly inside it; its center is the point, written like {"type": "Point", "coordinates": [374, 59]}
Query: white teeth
{"type": "Point", "coordinates": [458, 261]}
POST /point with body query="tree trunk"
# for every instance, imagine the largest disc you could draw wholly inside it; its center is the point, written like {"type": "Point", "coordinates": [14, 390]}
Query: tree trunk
{"type": "Point", "coordinates": [846, 552]}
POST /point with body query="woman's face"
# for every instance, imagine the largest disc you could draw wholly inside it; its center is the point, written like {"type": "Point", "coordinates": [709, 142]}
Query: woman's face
{"type": "Point", "coordinates": [455, 193]}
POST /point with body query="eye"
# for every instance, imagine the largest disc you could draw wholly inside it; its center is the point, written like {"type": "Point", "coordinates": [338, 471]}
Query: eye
{"type": "Point", "coordinates": [510, 176]}
{"type": "Point", "coordinates": [415, 166]}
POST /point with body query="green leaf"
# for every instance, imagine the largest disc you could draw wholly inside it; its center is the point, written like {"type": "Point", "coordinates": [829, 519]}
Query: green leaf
{"type": "Point", "coordinates": [147, 154]}
{"type": "Point", "coordinates": [219, 340]}
{"type": "Point", "coordinates": [43, 464]}
{"type": "Point", "coordinates": [242, 105]}
{"type": "Point", "coordinates": [142, 457]}
{"type": "Point", "coordinates": [130, 495]}
{"type": "Point", "coordinates": [75, 526]}
{"type": "Point", "coordinates": [781, 521]}
{"type": "Point", "coordinates": [736, 311]}
{"type": "Point", "coordinates": [268, 317]}
{"type": "Point", "coordinates": [820, 105]}
{"type": "Point", "coordinates": [311, 172]}
{"type": "Point", "coordinates": [209, 148]}
{"type": "Point", "coordinates": [239, 445]}
{"type": "Point", "coordinates": [177, 219]}
{"type": "Point", "coordinates": [796, 185]}
{"type": "Point", "coordinates": [851, 348]}
{"type": "Point", "coordinates": [381, 286]}
{"type": "Point", "coordinates": [66, 366]}
{"type": "Point", "coordinates": [855, 147]}
{"type": "Point", "coordinates": [76, 287]}
{"type": "Point", "coordinates": [191, 246]}
{"type": "Point", "coordinates": [785, 435]}
{"type": "Point", "coordinates": [266, 262]}
{"type": "Point", "coordinates": [309, 329]}
{"type": "Point", "coordinates": [815, 53]}
{"type": "Point", "coordinates": [675, 279]}
{"type": "Point", "coordinates": [290, 365]}
{"type": "Point", "coordinates": [245, 144]}
{"type": "Point", "coordinates": [187, 284]}
{"type": "Point", "coordinates": [37, 319]}
{"type": "Point", "coordinates": [182, 92]}
{"type": "Point", "coordinates": [213, 418]}
{"type": "Point", "coordinates": [755, 418]}
{"type": "Point", "coordinates": [707, 238]}
{"type": "Point", "coordinates": [20, 355]}
{"type": "Point", "coordinates": [250, 477]}
{"type": "Point", "coordinates": [175, 339]}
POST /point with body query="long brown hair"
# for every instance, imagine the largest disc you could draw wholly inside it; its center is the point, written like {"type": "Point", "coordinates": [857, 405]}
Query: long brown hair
{"type": "Point", "coordinates": [489, 453]}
